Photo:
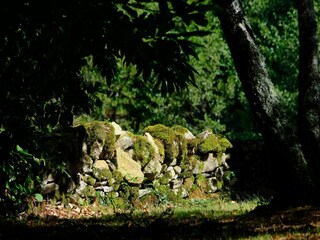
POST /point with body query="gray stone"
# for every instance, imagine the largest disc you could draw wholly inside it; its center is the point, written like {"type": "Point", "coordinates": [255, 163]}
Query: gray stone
{"type": "Point", "coordinates": [96, 149]}
{"type": "Point", "coordinates": [210, 164]}
{"type": "Point", "coordinates": [176, 183]}
{"type": "Point", "coordinates": [197, 167]}
{"type": "Point", "coordinates": [177, 169]}
{"type": "Point", "coordinates": [124, 142]}
{"type": "Point", "coordinates": [143, 192]}
{"type": "Point", "coordinates": [171, 173]}
{"type": "Point", "coordinates": [152, 169]}
{"type": "Point", "coordinates": [117, 129]}
{"type": "Point", "coordinates": [49, 188]}
{"type": "Point", "coordinates": [86, 163]}
{"type": "Point", "coordinates": [105, 189]}
{"type": "Point", "coordinates": [188, 135]}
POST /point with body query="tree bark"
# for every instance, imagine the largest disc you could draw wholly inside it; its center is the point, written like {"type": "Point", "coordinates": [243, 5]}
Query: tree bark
{"type": "Point", "coordinates": [292, 178]}
{"type": "Point", "coordinates": [309, 85]}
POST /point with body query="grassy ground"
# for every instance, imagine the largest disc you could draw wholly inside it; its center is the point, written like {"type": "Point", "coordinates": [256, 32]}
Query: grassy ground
{"type": "Point", "coordinates": [215, 218]}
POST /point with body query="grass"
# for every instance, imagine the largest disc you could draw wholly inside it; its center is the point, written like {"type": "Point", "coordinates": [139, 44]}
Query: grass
{"type": "Point", "coordinates": [216, 218]}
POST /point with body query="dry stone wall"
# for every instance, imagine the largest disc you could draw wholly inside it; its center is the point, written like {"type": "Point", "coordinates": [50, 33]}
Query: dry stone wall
{"type": "Point", "coordinates": [164, 162]}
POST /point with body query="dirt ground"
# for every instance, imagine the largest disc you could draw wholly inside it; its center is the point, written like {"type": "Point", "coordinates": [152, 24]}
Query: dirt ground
{"type": "Point", "coordinates": [261, 223]}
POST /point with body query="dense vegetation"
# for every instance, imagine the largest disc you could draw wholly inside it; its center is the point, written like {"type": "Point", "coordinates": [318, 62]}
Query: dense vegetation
{"type": "Point", "coordinates": [131, 62]}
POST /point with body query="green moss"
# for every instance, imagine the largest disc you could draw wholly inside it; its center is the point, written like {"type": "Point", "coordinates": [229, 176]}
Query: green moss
{"type": "Point", "coordinates": [195, 162]}
{"type": "Point", "coordinates": [188, 183]}
{"type": "Point", "coordinates": [109, 146]}
{"type": "Point", "coordinates": [120, 203]}
{"type": "Point", "coordinates": [185, 174]}
{"type": "Point", "coordinates": [183, 148]}
{"type": "Point", "coordinates": [202, 182]}
{"type": "Point", "coordinates": [167, 137]}
{"type": "Point", "coordinates": [160, 147]}
{"type": "Point", "coordinates": [179, 129]}
{"type": "Point", "coordinates": [89, 180]}
{"type": "Point", "coordinates": [142, 150]}
{"type": "Point", "coordinates": [209, 144]}
{"type": "Point", "coordinates": [111, 182]}
{"type": "Point", "coordinates": [117, 176]}
{"type": "Point", "coordinates": [192, 145]}
{"type": "Point", "coordinates": [164, 180]}
{"type": "Point", "coordinates": [102, 174]}
{"type": "Point", "coordinates": [95, 132]}
{"type": "Point", "coordinates": [224, 143]}
{"type": "Point", "coordinates": [175, 145]}
{"type": "Point", "coordinates": [103, 133]}
{"type": "Point", "coordinates": [218, 183]}
{"type": "Point", "coordinates": [89, 191]}
{"type": "Point", "coordinates": [128, 193]}
{"type": "Point", "coordinates": [165, 194]}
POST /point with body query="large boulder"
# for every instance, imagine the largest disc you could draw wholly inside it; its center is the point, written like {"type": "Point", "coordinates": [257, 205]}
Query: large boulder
{"type": "Point", "coordinates": [130, 169]}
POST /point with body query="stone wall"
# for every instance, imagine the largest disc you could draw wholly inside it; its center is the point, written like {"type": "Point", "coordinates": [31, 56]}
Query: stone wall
{"type": "Point", "coordinates": [164, 162]}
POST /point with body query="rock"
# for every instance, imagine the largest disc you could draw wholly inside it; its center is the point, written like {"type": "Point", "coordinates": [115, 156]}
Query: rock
{"type": "Point", "coordinates": [71, 186]}
{"type": "Point", "coordinates": [224, 159]}
{"type": "Point", "coordinates": [197, 166]}
{"type": "Point", "coordinates": [188, 135]}
{"type": "Point", "coordinates": [117, 129]}
{"type": "Point", "coordinates": [157, 155]}
{"type": "Point", "coordinates": [101, 170]}
{"type": "Point", "coordinates": [143, 192]}
{"type": "Point", "coordinates": [124, 142]}
{"type": "Point", "coordinates": [49, 188]}
{"type": "Point", "coordinates": [175, 184]}
{"type": "Point", "coordinates": [130, 170]}
{"type": "Point", "coordinates": [152, 169]}
{"type": "Point", "coordinates": [171, 173]}
{"type": "Point", "coordinates": [89, 179]}
{"type": "Point", "coordinates": [177, 169]}
{"type": "Point", "coordinates": [105, 189]}
{"type": "Point", "coordinates": [111, 165]}
{"type": "Point", "coordinates": [210, 164]}
{"type": "Point", "coordinates": [86, 164]}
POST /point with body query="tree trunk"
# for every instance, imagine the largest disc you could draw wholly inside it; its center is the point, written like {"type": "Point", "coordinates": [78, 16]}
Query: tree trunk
{"type": "Point", "coordinates": [291, 173]}
{"type": "Point", "coordinates": [309, 84]}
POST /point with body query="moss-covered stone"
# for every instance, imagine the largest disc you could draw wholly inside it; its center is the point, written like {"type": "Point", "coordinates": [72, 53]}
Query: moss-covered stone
{"type": "Point", "coordinates": [89, 179]}
{"type": "Point", "coordinates": [185, 174]}
{"type": "Point", "coordinates": [143, 151]}
{"type": "Point", "coordinates": [129, 193]}
{"type": "Point", "coordinates": [100, 139]}
{"type": "Point", "coordinates": [196, 164]}
{"type": "Point", "coordinates": [109, 145]}
{"type": "Point", "coordinates": [160, 147]}
{"type": "Point", "coordinates": [197, 193]}
{"type": "Point", "coordinates": [164, 179]}
{"type": "Point", "coordinates": [169, 139]}
{"type": "Point", "coordinates": [202, 182]}
{"type": "Point", "coordinates": [224, 143]}
{"type": "Point", "coordinates": [165, 193]}
{"type": "Point", "coordinates": [188, 183]}
{"type": "Point", "coordinates": [209, 144]}
{"type": "Point", "coordinates": [117, 176]}
{"type": "Point", "coordinates": [101, 170]}
{"type": "Point", "coordinates": [89, 191]}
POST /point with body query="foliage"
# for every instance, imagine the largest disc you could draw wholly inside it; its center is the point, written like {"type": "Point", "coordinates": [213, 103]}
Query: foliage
{"type": "Point", "coordinates": [217, 102]}
{"type": "Point", "coordinates": [44, 45]}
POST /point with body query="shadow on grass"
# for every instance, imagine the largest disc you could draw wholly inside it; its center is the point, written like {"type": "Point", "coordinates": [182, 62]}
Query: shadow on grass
{"type": "Point", "coordinates": [295, 223]}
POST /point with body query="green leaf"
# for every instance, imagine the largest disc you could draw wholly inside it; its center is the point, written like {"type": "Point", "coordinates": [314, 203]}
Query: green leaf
{"type": "Point", "coordinates": [22, 151]}
{"type": "Point", "coordinates": [38, 197]}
